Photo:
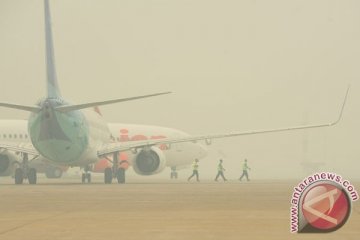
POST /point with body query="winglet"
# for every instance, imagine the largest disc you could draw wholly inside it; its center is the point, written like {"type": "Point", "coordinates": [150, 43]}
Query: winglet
{"type": "Point", "coordinates": [342, 108]}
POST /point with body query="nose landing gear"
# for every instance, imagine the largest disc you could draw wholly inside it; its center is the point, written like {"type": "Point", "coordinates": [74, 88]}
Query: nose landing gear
{"type": "Point", "coordinates": [86, 176]}
{"type": "Point", "coordinates": [174, 173]}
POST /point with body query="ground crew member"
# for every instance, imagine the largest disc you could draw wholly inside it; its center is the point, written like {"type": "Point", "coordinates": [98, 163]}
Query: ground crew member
{"type": "Point", "coordinates": [245, 171]}
{"type": "Point", "coordinates": [195, 170]}
{"type": "Point", "coordinates": [221, 170]}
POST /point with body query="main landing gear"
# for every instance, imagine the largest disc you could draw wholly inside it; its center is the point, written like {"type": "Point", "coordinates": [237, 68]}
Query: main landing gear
{"type": "Point", "coordinates": [114, 172]}
{"type": "Point", "coordinates": [24, 172]}
{"type": "Point", "coordinates": [86, 176]}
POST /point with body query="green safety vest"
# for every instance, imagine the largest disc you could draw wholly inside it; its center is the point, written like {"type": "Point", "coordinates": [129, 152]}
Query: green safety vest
{"type": "Point", "coordinates": [245, 167]}
{"type": "Point", "coordinates": [220, 167]}
{"type": "Point", "coordinates": [195, 166]}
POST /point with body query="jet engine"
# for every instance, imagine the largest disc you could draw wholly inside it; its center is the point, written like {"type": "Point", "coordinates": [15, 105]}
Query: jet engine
{"type": "Point", "coordinates": [149, 161]}
{"type": "Point", "coordinates": [8, 163]}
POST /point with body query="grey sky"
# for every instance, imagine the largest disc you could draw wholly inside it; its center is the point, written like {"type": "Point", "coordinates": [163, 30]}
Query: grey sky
{"type": "Point", "coordinates": [232, 65]}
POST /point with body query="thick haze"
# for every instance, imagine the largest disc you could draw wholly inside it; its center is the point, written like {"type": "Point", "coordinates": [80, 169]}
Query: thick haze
{"type": "Point", "coordinates": [231, 65]}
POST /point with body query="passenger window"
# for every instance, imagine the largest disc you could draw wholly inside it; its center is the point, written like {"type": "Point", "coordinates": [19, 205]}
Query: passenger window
{"type": "Point", "coordinates": [4, 135]}
{"type": "Point", "coordinates": [15, 136]}
{"type": "Point", "coordinates": [20, 136]}
{"type": "Point", "coordinates": [10, 136]}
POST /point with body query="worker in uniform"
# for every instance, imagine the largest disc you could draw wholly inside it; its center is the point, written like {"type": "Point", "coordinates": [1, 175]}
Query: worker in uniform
{"type": "Point", "coordinates": [245, 171]}
{"type": "Point", "coordinates": [221, 170]}
{"type": "Point", "coordinates": [195, 170]}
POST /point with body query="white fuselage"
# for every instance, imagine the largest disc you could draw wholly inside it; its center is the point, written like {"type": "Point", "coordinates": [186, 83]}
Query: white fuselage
{"type": "Point", "coordinates": [100, 133]}
{"type": "Point", "coordinates": [179, 154]}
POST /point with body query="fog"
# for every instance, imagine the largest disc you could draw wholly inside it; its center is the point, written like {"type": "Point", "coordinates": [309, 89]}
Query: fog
{"type": "Point", "coordinates": [231, 65]}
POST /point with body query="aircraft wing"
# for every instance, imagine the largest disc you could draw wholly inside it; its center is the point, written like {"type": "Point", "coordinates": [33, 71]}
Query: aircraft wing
{"type": "Point", "coordinates": [121, 147]}
{"type": "Point", "coordinates": [23, 148]}
{"type": "Point", "coordinates": [134, 146]}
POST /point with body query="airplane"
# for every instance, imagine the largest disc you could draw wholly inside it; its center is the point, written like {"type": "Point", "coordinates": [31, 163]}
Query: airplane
{"type": "Point", "coordinates": [180, 156]}
{"type": "Point", "coordinates": [73, 135]}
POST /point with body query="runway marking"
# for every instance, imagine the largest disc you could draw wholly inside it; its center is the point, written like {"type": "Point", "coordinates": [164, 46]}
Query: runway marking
{"type": "Point", "coordinates": [32, 222]}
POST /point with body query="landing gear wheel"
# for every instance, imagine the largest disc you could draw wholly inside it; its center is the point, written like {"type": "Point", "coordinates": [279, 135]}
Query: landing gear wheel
{"type": "Point", "coordinates": [88, 176]}
{"type": "Point", "coordinates": [174, 175]}
{"type": "Point", "coordinates": [120, 175]}
{"type": "Point", "coordinates": [19, 176]}
{"type": "Point", "coordinates": [32, 176]}
{"type": "Point", "coordinates": [108, 176]}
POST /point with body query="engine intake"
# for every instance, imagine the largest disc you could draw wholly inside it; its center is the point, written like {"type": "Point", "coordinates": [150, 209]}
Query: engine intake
{"type": "Point", "coordinates": [149, 161]}
{"type": "Point", "coordinates": [4, 163]}
{"type": "Point", "coordinates": [8, 163]}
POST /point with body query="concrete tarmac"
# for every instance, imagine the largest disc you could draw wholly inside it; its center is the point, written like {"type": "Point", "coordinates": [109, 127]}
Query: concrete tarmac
{"type": "Point", "coordinates": [160, 209]}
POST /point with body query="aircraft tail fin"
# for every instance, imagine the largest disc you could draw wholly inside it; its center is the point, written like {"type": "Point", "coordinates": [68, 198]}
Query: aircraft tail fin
{"type": "Point", "coordinates": [53, 90]}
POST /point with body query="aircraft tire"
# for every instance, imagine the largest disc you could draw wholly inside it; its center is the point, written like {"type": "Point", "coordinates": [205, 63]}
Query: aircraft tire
{"type": "Point", "coordinates": [174, 175]}
{"type": "Point", "coordinates": [32, 176]}
{"type": "Point", "coordinates": [120, 175]}
{"type": "Point", "coordinates": [19, 176]}
{"type": "Point", "coordinates": [108, 175]}
{"type": "Point", "coordinates": [88, 177]}
{"type": "Point", "coordinates": [83, 178]}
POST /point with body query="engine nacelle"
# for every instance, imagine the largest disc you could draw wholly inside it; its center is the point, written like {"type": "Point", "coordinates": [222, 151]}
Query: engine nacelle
{"type": "Point", "coordinates": [149, 161]}
{"type": "Point", "coordinates": [8, 163]}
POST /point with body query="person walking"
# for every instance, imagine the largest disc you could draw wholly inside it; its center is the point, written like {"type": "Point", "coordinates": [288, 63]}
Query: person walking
{"type": "Point", "coordinates": [195, 170]}
{"type": "Point", "coordinates": [245, 171]}
{"type": "Point", "coordinates": [221, 170]}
